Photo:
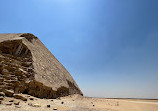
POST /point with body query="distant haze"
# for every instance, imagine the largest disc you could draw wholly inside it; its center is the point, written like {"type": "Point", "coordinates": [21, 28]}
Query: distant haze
{"type": "Point", "coordinates": [110, 47]}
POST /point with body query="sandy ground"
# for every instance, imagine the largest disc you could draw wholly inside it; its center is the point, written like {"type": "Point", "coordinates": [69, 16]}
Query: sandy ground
{"type": "Point", "coordinates": [78, 103]}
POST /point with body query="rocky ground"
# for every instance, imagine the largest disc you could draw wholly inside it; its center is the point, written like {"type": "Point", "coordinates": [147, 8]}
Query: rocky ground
{"type": "Point", "coordinates": [23, 102]}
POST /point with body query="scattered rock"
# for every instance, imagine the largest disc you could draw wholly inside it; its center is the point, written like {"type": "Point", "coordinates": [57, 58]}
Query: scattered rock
{"type": "Point", "coordinates": [31, 98]}
{"type": "Point", "coordinates": [54, 108]}
{"type": "Point", "coordinates": [18, 106]}
{"type": "Point", "coordinates": [117, 104]}
{"type": "Point", "coordinates": [48, 106]}
{"type": "Point", "coordinates": [18, 96]}
{"type": "Point", "coordinates": [2, 94]}
{"type": "Point", "coordinates": [30, 104]}
{"type": "Point", "coordinates": [34, 105]}
{"type": "Point", "coordinates": [0, 102]}
{"type": "Point", "coordinates": [58, 98]}
{"type": "Point", "coordinates": [16, 103]}
{"type": "Point", "coordinates": [9, 93]}
{"type": "Point", "coordinates": [8, 104]}
{"type": "Point", "coordinates": [1, 98]}
{"type": "Point", "coordinates": [11, 100]}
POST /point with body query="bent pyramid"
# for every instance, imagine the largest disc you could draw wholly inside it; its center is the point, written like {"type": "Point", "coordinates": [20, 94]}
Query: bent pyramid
{"type": "Point", "coordinates": [27, 66]}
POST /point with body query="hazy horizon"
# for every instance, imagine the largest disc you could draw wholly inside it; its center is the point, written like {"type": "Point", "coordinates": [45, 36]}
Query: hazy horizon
{"type": "Point", "coordinates": [110, 47]}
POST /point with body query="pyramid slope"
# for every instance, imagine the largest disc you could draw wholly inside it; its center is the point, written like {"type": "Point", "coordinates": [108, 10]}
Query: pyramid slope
{"type": "Point", "coordinates": [32, 69]}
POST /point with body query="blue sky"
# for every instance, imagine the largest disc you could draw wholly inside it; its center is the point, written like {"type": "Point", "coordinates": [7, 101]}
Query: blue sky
{"type": "Point", "coordinates": [110, 47]}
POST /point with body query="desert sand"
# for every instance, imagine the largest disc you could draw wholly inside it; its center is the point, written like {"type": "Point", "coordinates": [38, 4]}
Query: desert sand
{"type": "Point", "coordinates": [77, 103]}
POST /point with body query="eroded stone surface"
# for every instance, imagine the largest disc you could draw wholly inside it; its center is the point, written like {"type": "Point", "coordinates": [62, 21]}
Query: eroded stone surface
{"type": "Point", "coordinates": [27, 66]}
